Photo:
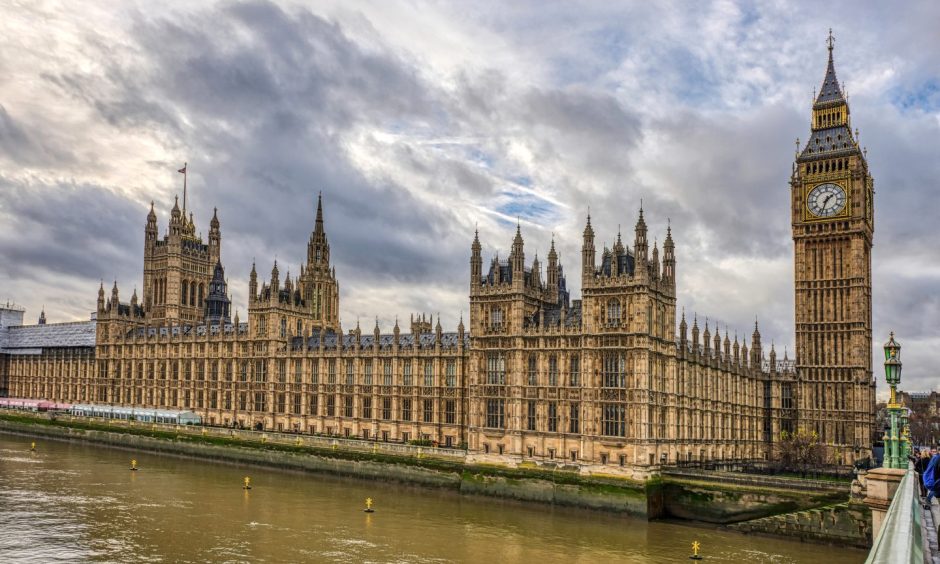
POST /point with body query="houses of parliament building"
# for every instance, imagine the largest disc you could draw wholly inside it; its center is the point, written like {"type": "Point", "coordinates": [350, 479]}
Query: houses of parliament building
{"type": "Point", "coordinates": [616, 381]}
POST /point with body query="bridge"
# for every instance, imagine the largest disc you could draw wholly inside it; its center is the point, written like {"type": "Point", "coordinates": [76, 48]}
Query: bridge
{"type": "Point", "coordinates": [908, 532]}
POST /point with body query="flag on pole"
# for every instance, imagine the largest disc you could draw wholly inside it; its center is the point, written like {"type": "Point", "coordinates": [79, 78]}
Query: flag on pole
{"type": "Point", "coordinates": [182, 170]}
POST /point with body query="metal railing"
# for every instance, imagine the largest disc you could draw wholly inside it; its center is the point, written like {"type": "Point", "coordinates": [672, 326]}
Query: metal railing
{"type": "Point", "coordinates": [901, 538]}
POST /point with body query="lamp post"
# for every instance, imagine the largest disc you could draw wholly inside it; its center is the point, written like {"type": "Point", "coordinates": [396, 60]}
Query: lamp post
{"type": "Point", "coordinates": [897, 445]}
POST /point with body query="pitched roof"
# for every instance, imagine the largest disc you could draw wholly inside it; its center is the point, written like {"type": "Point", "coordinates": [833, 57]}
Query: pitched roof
{"type": "Point", "coordinates": [25, 337]}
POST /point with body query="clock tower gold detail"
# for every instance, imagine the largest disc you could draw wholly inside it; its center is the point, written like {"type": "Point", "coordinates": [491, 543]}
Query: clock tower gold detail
{"type": "Point", "coordinates": [833, 225]}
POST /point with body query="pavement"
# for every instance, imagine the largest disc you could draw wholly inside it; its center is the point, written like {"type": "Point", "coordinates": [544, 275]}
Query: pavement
{"type": "Point", "coordinates": [931, 520]}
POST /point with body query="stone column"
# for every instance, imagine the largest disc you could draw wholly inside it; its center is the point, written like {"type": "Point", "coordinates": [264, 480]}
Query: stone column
{"type": "Point", "coordinates": [881, 485]}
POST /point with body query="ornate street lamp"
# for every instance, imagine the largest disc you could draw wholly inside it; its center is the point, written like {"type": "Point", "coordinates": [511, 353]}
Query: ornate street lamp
{"type": "Point", "coordinates": [897, 445]}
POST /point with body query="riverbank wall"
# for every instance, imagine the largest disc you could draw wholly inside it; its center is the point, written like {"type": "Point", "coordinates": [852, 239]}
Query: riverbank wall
{"type": "Point", "coordinates": [425, 467]}
{"type": "Point", "coordinates": [748, 503]}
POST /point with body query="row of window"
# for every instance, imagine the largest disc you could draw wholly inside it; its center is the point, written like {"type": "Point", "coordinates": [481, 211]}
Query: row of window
{"type": "Point", "coordinates": [227, 369]}
{"type": "Point", "coordinates": [613, 417]}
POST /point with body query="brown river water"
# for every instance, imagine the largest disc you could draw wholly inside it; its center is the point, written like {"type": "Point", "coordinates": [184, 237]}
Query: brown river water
{"type": "Point", "coordinates": [71, 502]}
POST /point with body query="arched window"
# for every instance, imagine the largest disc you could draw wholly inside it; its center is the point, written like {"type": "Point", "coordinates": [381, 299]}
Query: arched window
{"type": "Point", "coordinates": [613, 311]}
{"type": "Point", "coordinates": [183, 292]}
{"type": "Point", "coordinates": [192, 294]}
{"type": "Point", "coordinates": [202, 290]}
{"type": "Point", "coordinates": [283, 327]}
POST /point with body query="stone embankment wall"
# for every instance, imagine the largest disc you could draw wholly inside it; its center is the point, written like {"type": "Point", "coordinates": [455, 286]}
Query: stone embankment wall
{"type": "Point", "coordinates": [413, 465]}
{"type": "Point", "coordinates": [724, 498]}
{"type": "Point", "coordinates": [844, 523]}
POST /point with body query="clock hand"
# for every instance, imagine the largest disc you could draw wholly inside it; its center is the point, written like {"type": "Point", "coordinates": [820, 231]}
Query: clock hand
{"type": "Point", "coordinates": [826, 200]}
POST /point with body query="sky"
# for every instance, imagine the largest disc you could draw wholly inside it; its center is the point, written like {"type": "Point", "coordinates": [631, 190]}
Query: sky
{"type": "Point", "coordinates": [422, 121]}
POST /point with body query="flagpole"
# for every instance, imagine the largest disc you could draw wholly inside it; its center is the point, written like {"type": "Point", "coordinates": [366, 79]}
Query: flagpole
{"type": "Point", "coordinates": [185, 174]}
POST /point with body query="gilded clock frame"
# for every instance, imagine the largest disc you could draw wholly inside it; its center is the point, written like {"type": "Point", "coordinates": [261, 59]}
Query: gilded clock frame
{"type": "Point", "coordinates": [809, 216]}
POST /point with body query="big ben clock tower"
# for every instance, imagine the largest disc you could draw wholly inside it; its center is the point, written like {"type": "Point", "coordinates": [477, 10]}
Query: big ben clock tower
{"type": "Point", "coordinates": [833, 224]}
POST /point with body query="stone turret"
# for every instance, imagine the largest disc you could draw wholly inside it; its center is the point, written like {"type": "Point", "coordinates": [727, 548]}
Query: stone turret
{"type": "Point", "coordinates": [587, 254]}
{"type": "Point", "coordinates": [476, 262]}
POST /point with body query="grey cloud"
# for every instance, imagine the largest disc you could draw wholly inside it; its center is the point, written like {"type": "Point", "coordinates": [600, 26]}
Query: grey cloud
{"type": "Point", "coordinates": [67, 235]}
{"type": "Point", "coordinates": [264, 102]}
{"type": "Point", "coordinates": [23, 147]}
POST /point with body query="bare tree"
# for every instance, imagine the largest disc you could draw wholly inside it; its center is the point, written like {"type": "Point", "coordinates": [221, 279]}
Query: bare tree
{"type": "Point", "coordinates": [801, 451]}
{"type": "Point", "coordinates": [923, 427]}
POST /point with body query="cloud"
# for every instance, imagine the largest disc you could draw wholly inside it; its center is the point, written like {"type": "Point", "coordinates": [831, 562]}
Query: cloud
{"type": "Point", "coordinates": [419, 125]}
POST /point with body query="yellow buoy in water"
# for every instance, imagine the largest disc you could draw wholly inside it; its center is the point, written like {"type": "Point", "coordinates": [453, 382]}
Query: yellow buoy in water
{"type": "Point", "coordinates": [32, 446]}
{"type": "Point", "coordinates": [368, 508]}
{"type": "Point", "coordinates": [695, 548]}
{"type": "Point", "coordinates": [247, 485]}
{"type": "Point", "coordinates": [134, 465]}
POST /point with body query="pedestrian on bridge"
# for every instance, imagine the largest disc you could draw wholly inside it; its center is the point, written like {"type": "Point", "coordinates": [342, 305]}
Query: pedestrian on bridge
{"type": "Point", "coordinates": [932, 480]}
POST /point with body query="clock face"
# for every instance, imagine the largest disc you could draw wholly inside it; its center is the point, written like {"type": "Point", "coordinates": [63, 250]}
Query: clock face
{"type": "Point", "coordinates": [826, 200]}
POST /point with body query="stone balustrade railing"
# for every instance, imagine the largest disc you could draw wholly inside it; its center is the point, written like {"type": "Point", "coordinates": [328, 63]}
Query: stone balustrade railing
{"type": "Point", "coordinates": [903, 535]}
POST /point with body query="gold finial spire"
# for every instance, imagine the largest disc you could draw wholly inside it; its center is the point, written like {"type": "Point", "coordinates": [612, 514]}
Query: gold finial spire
{"type": "Point", "coordinates": [831, 40]}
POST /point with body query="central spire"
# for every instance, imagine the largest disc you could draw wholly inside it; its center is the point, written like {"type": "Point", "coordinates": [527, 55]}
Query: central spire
{"type": "Point", "coordinates": [319, 223]}
{"type": "Point", "coordinates": [830, 92]}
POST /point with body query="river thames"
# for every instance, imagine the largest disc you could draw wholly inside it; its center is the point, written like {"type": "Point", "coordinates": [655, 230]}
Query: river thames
{"type": "Point", "coordinates": [69, 502]}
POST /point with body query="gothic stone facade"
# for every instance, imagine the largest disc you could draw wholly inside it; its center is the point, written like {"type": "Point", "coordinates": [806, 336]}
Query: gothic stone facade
{"type": "Point", "coordinates": [603, 382]}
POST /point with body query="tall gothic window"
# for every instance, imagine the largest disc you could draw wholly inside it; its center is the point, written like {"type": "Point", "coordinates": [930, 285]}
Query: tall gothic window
{"type": "Point", "coordinates": [495, 369]}
{"type": "Point", "coordinates": [428, 411]}
{"type": "Point", "coordinates": [406, 373]}
{"type": "Point", "coordinates": [533, 379]}
{"type": "Point", "coordinates": [451, 373]}
{"type": "Point", "coordinates": [450, 412]}
{"type": "Point", "coordinates": [495, 413]}
{"type": "Point", "coordinates": [614, 370]}
{"type": "Point", "coordinates": [613, 420]}
{"type": "Point", "coordinates": [613, 312]}
{"type": "Point", "coordinates": [428, 373]}
{"type": "Point", "coordinates": [574, 371]}
{"type": "Point", "coordinates": [574, 419]}
{"type": "Point", "coordinates": [496, 316]}
{"type": "Point", "coordinates": [552, 370]}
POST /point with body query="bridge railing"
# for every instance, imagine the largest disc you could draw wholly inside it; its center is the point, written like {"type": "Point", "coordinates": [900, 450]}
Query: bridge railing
{"type": "Point", "coordinates": [901, 538]}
